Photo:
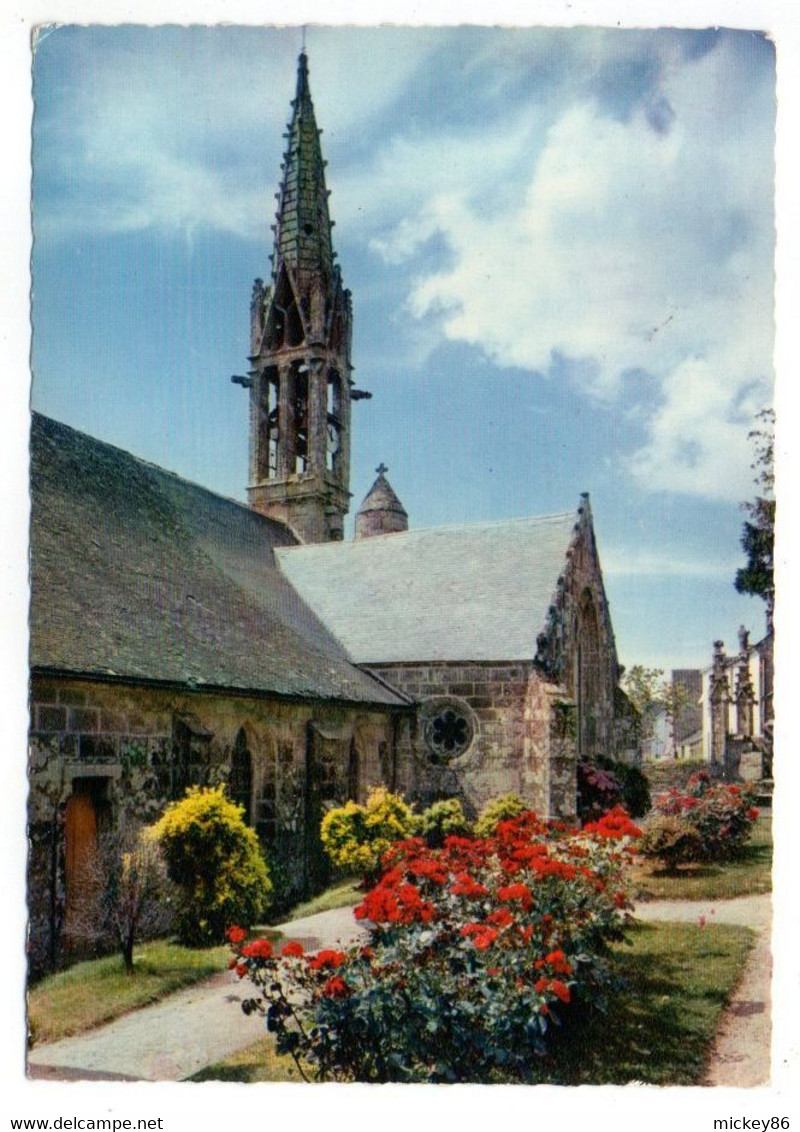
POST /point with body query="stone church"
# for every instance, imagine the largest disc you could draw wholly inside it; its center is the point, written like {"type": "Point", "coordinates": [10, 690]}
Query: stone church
{"type": "Point", "coordinates": [179, 637]}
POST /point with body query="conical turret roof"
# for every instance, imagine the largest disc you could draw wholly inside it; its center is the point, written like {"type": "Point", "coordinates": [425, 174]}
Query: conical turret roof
{"type": "Point", "coordinates": [382, 497]}
{"type": "Point", "coordinates": [381, 512]}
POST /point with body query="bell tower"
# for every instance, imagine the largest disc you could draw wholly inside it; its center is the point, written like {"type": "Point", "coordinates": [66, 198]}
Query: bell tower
{"type": "Point", "coordinates": [301, 330]}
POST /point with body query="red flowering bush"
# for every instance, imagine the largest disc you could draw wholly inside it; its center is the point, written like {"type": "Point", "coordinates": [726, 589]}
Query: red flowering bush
{"type": "Point", "coordinates": [476, 949]}
{"type": "Point", "coordinates": [721, 816]}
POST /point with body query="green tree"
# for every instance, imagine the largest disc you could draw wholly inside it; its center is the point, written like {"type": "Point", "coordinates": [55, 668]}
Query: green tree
{"type": "Point", "coordinates": [758, 530]}
{"type": "Point", "coordinates": [652, 694]}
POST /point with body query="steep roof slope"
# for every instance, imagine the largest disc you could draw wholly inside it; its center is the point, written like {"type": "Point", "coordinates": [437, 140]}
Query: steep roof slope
{"type": "Point", "coordinates": [478, 592]}
{"type": "Point", "coordinates": [139, 574]}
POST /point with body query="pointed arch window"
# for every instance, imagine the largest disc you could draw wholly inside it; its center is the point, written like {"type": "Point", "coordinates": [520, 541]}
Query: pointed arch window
{"type": "Point", "coordinates": [301, 392]}
{"type": "Point", "coordinates": [285, 320]}
{"type": "Point", "coordinates": [353, 772]}
{"type": "Point", "coordinates": [334, 419]}
{"type": "Point", "coordinates": [240, 782]}
{"type": "Point", "coordinates": [588, 675]}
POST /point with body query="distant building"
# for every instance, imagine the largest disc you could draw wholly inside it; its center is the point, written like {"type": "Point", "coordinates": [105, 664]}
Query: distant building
{"type": "Point", "coordinates": [737, 709]}
{"type": "Point", "coordinates": [687, 728]}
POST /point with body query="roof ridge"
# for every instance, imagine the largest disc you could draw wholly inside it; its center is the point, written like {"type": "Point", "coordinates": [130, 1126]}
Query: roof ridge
{"type": "Point", "coordinates": [448, 527]}
{"type": "Point", "coordinates": [492, 522]}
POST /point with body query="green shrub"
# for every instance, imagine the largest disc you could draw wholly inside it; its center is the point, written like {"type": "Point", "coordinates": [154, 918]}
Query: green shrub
{"type": "Point", "coordinates": [634, 786]}
{"type": "Point", "coordinates": [498, 809]}
{"type": "Point", "coordinates": [671, 839]}
{"type": "Point", "coordinates": [355, 837]}
{"type": "Point", "coordinates": [444, 819]}
{"type": "Point", "coordinates": [216, 861]}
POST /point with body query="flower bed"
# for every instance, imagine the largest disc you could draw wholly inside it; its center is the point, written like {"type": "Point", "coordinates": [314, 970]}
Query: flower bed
{"type": "Point", "coordinates": [476, 949]}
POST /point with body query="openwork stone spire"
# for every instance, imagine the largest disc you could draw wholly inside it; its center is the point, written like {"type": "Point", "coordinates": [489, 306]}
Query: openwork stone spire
{"type": "Point", "coordinates": [301, 330]}
{"type": "Point", "coordinates": [303, 224]}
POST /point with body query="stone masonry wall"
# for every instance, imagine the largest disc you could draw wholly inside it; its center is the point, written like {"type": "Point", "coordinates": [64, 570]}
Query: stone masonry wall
{"type": "Point", "coordinates": [509, 709]}
{"type": "Point", "coordinates": [137, 748]}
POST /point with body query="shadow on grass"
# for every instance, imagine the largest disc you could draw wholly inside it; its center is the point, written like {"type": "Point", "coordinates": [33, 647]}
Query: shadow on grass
{"type": "Point", "coordinates": [224, 1073]}
{"type": "Point", "coordinates": [657, 1030]}
{"type": "Point", "coordinates": [748, 856]}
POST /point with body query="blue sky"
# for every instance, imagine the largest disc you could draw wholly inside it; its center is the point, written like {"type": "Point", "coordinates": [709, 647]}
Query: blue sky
{"type": "Point", "coordinates": [559, 244]}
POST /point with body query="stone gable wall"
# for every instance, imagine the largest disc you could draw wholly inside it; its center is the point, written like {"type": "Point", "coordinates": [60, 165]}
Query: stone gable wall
{"type": "Point", "coordinates": [577, 646]}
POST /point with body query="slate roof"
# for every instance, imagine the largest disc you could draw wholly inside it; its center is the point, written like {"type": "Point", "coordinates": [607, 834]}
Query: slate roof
{"type": "Point", "coordinates": [478, 592]}
{"type": "Point", "coordinates": [139, 574]}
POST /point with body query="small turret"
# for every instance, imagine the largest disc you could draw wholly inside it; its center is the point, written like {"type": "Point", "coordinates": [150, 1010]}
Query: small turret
{"type": "Point", "coordinates": [381, 513]}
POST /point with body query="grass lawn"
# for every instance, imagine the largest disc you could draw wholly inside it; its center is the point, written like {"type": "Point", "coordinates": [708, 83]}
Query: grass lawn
{"type": "Point", "coordinates": [97, 991]}
{"type": "Point", "coordinates": [747, 875]}
{"type": "Point", "coordinates": [258, 1062]}
{"type": "Point", "coordinates": [339, 895]}
{"type": "Point", "coordinates": [658, 1030]}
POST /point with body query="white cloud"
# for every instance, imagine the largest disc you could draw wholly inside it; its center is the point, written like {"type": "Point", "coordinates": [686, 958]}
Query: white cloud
{"type": "Point", "coordinates": [633, 248]}
{"type": "Point", "coordinates": [166, 128]}
{"type": "Point", "coordinates": [395, 193]}
{"type": "Point", "coordinates": [697, 441]}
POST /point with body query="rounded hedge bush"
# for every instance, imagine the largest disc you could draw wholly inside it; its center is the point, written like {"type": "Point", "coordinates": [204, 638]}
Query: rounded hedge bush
{"type": "Point", "coordinates": [216, 861]}
{"type": "Point", "coordinates": [671, 839]}
{"type": "Point", "coordinates": [505, 807]}
{"type": "Point", "coordinates": [355, 837]}
{"type": "Point", "coordinates": [444, 819]}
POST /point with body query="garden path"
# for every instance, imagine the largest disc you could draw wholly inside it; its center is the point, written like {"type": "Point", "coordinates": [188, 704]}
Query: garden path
{"type": "Point", "coordinates": [199, 1026]}
{"type": "Point", "coordinates": [186, 1032]}
{"type": "Point", "coordinates": [740, 1057]}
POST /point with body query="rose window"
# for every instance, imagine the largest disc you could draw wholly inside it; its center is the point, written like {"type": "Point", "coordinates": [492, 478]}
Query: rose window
{"type": "Point", "coordinates": [448, 734]}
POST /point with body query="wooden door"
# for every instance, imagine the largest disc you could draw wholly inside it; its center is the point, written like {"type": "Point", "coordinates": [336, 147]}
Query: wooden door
{"type": "Point", "coordinates": [80, 834]}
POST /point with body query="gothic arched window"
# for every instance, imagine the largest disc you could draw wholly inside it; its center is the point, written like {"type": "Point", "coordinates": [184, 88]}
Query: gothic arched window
{"type": "Point", "coordinates": [240, 782]}
{"type": "Point", "coordinates": [588, 680]}
{"type": "Point", "coordinates": [353, 772]}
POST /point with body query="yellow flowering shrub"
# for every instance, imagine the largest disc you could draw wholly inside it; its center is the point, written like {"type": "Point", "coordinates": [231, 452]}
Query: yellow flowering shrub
{"type": "Point", "coordinates": [498, 809]}
{"type": "Point", "coordinates": [355, 837]}
{"type": "Point", "coordinates": [216, 861]}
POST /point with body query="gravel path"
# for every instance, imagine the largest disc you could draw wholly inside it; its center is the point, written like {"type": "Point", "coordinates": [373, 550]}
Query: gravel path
{"type": "Point", "coordinates": [203, 1024]}
{"type": "Point", "coordinates": [747, 911]}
